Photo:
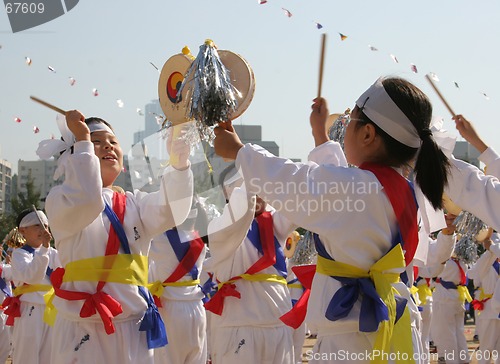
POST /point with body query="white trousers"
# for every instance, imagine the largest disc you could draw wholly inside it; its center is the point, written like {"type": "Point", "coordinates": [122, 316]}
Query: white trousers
{"type": "Point", "coordinates": [186, 326]}
{"type": "Point", "coordinates": [31, 336]}
{"type": "Point", "coordinates": [86, 342]}
{"type": "Point", "coordinates": [250, 345]}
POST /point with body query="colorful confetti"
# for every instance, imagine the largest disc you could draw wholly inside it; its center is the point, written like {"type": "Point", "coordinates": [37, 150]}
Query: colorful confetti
{"type": "Point", "coordinates": [95, 92]}
{"type": "Point", "coordinates": [372, 48]}
{"type": "Point", "coordinates": [17, 120]}
{"type": "Point", "coordinates": [72, 81]}
{"type": "Point", "coordinates": [485, 96]}
{"type": "Point", "coordinates": [139, 111]}
{"type": "Point", "coordinates": [51, 69]}
{"type": "Point", "coordinates": [28, 60]}
{"type": "Point", "coordinates": [318, 25]}
{"type": "Point", "coordinates": [394, 58]}
{"type": "Point", "coordinates": [343, 36]}
{"type": "Point", "coordinates": [36, 130]}
{"type": "Point", "coordinates": [287, 13]}
{"type": "Point", "coordinates": [119, 103]}
{"type": "Point", "coordinates": [456, 85]}
{"type": "Point", "coordinates": [413, 68]}
{"type": "Point", "coordinates": [261, 2]}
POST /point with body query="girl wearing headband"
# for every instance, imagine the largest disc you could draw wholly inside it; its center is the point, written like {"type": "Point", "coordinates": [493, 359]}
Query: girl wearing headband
{"type": "Point", "coordinates": [31, 267]}
{"type": "Point", "coordinates": [365, 219]}
{"type": "Point", "coordinates": [105, 312]}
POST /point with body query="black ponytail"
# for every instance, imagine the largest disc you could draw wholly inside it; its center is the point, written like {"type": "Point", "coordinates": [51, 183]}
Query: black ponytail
{"type": "Point", "coordinates": [432, 166]}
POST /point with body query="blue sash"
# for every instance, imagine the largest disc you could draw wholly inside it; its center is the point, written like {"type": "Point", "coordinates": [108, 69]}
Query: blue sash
{"type": "Point", "coordinates": [152, 322]}
{"type": "Point", "coordinates": [373, 309]}
{"type": "Point", "coordinates": [180, 249]}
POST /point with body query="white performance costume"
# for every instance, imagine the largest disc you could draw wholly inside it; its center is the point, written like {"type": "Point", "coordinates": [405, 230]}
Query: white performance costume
{"type": "Point", "coordinates": [249, 329]}
{"type": "Point", "coordinates": [182, 306]}
{"type": "Point", "coordinates": [485, 275]}
{"type": "Point", "coordinates": [5, 331]}
{"type": "Point", "coordinates": [31, 336]}
{"type": "Point", "coordinates": [81, 230]}
{"type": "Point", "coordinates": [353, 218]}
{"type": "Point", "coordinates": [448, 313]}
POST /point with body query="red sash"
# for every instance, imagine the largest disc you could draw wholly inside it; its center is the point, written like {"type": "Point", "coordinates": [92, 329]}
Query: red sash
{"type": "Point", "coordinates": [186, 264]}
{"type": "Point", "coordinates": [266, 233]}
{"type": "Point", "coordinates": [98, 302]}
{"type": "Point", "coordinates": [12, 308]}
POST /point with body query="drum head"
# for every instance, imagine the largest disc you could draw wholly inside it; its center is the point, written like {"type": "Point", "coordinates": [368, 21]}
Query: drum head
{"type": "Point", "coordinates": [171, 77]}
{"type": "Point", "coordinates": [242, 78]}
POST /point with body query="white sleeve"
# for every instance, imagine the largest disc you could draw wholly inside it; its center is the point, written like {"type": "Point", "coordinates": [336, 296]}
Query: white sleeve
{"type": "Point", "coordinates": [495, 250]}
{"type": "Point", "coordinates": [282, 227]}
{"type": "Point", "coordinates": [27, 268]}
{"type": "Point", "coordinates": [227, 232]}
{"type": "Point", "coordinates": [7, 272]}
{"type": "Point", "coordinates": [480, 268]}
{"type": "Point", "coordinates": [168, 207]}
{"type": "Point", "coordinates": [492, 162]}
{"type": "Point", "coordinates": [440, 250]}
{"type": "Point", "coordinates": [78, 201]}
{"type": "Point", "coordinates": [470, 189]}
{"type": "Point", "coordinates": [328, 153]}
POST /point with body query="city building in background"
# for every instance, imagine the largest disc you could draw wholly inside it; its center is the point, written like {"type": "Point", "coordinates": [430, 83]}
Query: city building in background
{"type": "Point", "coordinates": [5, 186]}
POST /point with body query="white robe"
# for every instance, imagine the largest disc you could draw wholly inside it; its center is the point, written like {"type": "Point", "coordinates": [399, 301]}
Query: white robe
{"type": "Point", "coordinates": [252, 322]}
{"type": "Point", "coordinates": [81, 228]}
{"type": "Point", "coordinates": [349, 211]}
{"type": "Point", "coordinates": [182, 306]}
{"type": "Point", "coordinates": [30, 328]}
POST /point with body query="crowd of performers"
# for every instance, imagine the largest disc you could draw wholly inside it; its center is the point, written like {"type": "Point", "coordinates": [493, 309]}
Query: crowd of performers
{"type": "Point", "coordinates": [139, 277]}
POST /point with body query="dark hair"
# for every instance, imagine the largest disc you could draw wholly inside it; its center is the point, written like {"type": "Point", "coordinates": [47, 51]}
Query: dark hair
{"type": "Point", "coordinates": [431, 167]}
{"type": "Point", "coordinates": [94, 119]}
{"type": "Point", "coordinates": [21, 216]}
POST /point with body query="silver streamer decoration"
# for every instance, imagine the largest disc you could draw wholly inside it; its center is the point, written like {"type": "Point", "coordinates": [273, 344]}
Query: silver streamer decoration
{"type": "Point", "coordinates": [467, 228]}
{"type": "Point", "coordinates": [338, 128]}
{"type": "Point", "coordinates": [213, 97]}
{"type": "Point", "coordinates": [305, 251]}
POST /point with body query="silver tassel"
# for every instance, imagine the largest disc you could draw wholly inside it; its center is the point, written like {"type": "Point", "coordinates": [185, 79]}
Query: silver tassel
{"type": "Point", "coordinates": [467, 228]}
{"type": "Point", "coordinates": [305, 251]}
{"type": "Point", "coordinates": [213, 97]}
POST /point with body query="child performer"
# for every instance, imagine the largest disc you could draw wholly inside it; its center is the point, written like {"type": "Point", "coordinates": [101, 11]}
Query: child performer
{"type": "Point", "coordinates": [246, 247]}
{"type": "Point", "coordinates": [5, 291]}
{"type": "Point", "coordinates": [105, 315]}
{"type": "Point", "coordinates": [177, 257]}
{"type": "Point", "coordinates": [364, 217]}
{"type": "Point", "coordinates": [486, 272]}
{"type": "Point", "coordinates": [32, 265]}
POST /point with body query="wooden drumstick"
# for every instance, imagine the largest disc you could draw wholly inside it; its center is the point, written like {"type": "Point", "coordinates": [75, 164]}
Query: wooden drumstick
{"type": "Point", "coordinates": [50, 106]}
{"type": "Point", "coordinates": [440, 95]}
{"type": "Point", "coordinates": [321, 62]}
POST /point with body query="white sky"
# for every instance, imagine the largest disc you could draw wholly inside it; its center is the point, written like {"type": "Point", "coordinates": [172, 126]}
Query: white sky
{"type": "Point", "coordinates": [109, 45]}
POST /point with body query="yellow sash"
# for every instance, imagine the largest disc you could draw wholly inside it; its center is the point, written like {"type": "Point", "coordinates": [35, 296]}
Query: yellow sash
{"type": "Point", "coordinates": [125, 269]}
{"type": "Point", "coordinates": [49, 314]}
{"type": "Point", "coordinates": [483, 296]}
{"type": "Point", "coordinates": [463, 294]}
{"type": "Point", "coordinates": [295, 285]}
{"type": "Point", "coordinates": [156, 288]}
{"type": "Point", "coordinates": [423, 292]}
{"type": "Point", "coordinates": [389, 334]}
{"type": "Point", "coordinates": [261, 277]}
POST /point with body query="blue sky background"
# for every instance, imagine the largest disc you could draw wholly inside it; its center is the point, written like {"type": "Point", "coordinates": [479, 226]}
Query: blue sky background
{"type": "Point", "coordinates": [109, 45]}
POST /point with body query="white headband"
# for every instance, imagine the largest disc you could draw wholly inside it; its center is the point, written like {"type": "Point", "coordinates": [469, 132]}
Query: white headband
{"type": "Point", "coordinates": [378, 106]}
{"type": "Point", "coordinates": [97, 126]}
{"type": "Point", "coordinates": [32, 219]}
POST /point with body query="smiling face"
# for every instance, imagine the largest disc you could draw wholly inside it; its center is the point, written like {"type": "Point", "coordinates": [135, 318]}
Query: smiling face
{"type": "Point", "coordinates": [110, 154]}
